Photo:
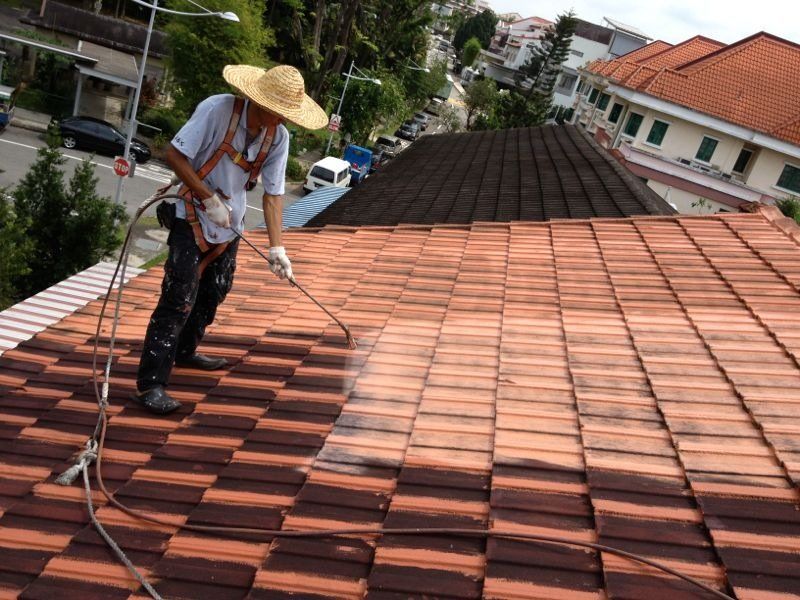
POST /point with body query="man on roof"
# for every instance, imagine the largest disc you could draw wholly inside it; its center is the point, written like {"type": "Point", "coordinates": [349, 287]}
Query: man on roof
{"type": "Point", "coordinates": [217, 156]}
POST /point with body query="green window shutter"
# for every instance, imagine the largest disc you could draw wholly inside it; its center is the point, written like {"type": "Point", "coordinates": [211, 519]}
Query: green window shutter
{"type": "Point", "coordinates": [790, 179]}
{"type": "Point", "coordinates": [602, 104]}
{"type": "Point", "coordinates": [706, 149]}
{"type": "Point", "coordinates": [593, 95]}
{"type": "Point", "coordinates": [657, 133]}
{"type": "Point", "coordinates": [744, 159]}
{"type": "Point", "coordinates": [633, 124]}
{"type": "Point", "coordinates": [616, 111]}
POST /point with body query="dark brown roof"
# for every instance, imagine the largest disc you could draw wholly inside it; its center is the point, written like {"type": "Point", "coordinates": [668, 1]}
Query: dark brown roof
{"type": "Point", "coordinates": [633, 382]}
{"type": "Point", "coordinates": [528, 174]}
{"type": "Point", "coordinates": [100, 29]}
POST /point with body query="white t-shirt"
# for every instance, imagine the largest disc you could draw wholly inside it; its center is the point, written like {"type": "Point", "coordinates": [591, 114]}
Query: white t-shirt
{"type": "Point", "coordinates": [200, 137]}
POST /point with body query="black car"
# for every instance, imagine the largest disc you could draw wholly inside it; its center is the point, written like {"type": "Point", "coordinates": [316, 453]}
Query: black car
{"type": "Point", "coordinates": [408, 131]}
{"type": "Point", "coordinates": [96, 135]}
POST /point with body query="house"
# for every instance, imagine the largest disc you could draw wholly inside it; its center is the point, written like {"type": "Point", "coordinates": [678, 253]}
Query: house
{"type": "Point", "coordinates": [445, 9]}
{"type": "Point", "coordinates": [512, 47]}
{"type": "Point", "coordinates": [630, 382]}
{"type": "Point", "coordinates": [709, 126]}
{"type": "Point", "coordinates": [104, 53]}
{"type": "Point", "coordinates": [527, 174]}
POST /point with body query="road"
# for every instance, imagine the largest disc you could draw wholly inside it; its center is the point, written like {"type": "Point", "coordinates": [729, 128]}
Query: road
{"type": "Point", "coordinates": [18, 151]}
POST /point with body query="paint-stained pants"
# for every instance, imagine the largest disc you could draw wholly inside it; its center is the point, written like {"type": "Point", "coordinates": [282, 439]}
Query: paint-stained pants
{"type": "Point", "coordinates": [187, 306]}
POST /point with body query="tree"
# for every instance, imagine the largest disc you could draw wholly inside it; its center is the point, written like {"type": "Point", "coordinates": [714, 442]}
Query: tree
{"type": "Point", "coordinates": [200, 48]}
{"type": "Point", "coordinates": [481, 26]}
{"type": "Point", "coordinates": [480, 97]}
{"type": "Point", "coordinates": [544, 65]}
{"type": "Point", "coordinates": [16, 247]}
{"type": "Point", "coordinates": [419, 86]}
{"type": "Point", "coordinates": [471, 50]}
{"type": "Point", "coordinates": [367, 104]}
{"type": "Point", "coordinates": [69, 228]}
{"type": "Point", "coordinates": [448, 115]}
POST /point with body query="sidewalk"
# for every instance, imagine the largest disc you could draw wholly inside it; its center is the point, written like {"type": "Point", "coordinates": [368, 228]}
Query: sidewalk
{"type": "Point", "coordinates": [28, 119]}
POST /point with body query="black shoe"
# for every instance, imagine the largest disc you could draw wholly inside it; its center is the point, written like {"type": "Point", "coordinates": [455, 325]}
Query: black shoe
{"type": "Point", "coordinates": [157, 400]}
{"type": "Point", "coordinates": [201, 361]}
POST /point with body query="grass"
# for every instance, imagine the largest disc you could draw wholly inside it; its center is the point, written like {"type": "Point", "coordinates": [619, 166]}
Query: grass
{"type": "Point", "coordinates": [156, 260]}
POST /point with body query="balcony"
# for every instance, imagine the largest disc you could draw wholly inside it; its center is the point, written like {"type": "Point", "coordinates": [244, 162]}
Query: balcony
{"type": "Point", "coordinates": [694, 174]}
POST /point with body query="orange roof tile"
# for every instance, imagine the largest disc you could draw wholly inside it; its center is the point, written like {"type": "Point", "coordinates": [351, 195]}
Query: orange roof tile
{"type": "Point", "coordinates": [628, 381]}
{"type": "Point", "coordinates": [750, 83]}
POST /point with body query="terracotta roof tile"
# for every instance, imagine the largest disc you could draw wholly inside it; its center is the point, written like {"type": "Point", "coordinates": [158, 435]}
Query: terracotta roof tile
{"type": "Point", "coordinates": [630, 382]}
{"type": "Point", "coordinates": [748, 83]}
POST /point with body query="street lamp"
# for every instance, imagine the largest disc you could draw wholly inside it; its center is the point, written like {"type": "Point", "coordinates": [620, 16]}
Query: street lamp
{"type": "Point", "coordinates": [228, 16]}
{"type": "Point", "coordinates": [348, 76]}
{"type": "Point", "coordinates": [416, 67]}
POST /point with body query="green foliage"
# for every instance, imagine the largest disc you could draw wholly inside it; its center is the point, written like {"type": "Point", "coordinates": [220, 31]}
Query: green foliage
{"type": "Point", "coordinates": [69, 226]}
{"type": "Point", "coordinates": [367, 104]}
{"type": "Point", "coordinates": [480, 98]}
{"type": "Point", "coordinates": [200, 48]}
{"type": "Point", "coordinates": [790, 207]}
{"type": "Point", "coordinates": [545, 63]}
{"type": "Point", "coordinates": [448, 115]}
{"type": "Point", "coordinates": [481, 26]}
{"type": "Point", "coordinates": [294, 170]}
{"type": "Point", "coordinates": [168, 120]}
{"type": "Point", "coordinates": [16, 247]}
{"type": "Point", "coordinates": [472, 48]}
{"type": "Point", "coordinates": [510, 110]}
{"type": "Point", "coordinates": [419, 86]}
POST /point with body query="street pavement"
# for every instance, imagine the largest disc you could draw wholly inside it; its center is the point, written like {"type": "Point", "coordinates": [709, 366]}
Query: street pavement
{"type": "Point", "coordinates": [18, 151]}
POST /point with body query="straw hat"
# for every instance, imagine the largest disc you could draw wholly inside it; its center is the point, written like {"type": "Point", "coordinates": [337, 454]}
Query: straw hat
{"type": "Point", "coordinates": [280, 90]}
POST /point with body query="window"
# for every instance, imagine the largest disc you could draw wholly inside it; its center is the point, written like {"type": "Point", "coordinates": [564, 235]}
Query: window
{"type": "Point", "coordinates": [790, 179]}
{"type": "Point", "coordinates": [322, 173]}
{"type": "Point", "coordinates": [566, 83]}
{"type": "Point", "coordinates": [602, 104]}
{"type": "Point", "coordinates": [593, 95]}
{"type": "Point", "coordinates": [633, 124]}
{"type": "Point", "coordinates": [706, 149]}
{"type": "Point", "coordinates": [657, 132]}
{"type": "Point", "coordinates": [744, 159]}
{"type": "Point", "coordinates": [616, 111]}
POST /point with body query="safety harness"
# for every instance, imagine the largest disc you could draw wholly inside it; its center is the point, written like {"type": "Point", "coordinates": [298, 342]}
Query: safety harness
{"type": "Point", "coordinates": [225, 148]}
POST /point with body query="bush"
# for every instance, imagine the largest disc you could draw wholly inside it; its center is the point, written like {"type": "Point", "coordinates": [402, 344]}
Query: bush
{"type": "Point", "coordinates": [168, 120]}
{"type": "Point", "coordinates": [790, 207]}
{"type": "Point", "coordinates": [294, 170]}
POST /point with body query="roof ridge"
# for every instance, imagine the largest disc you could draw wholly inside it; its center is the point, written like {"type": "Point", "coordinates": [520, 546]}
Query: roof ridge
{"type": "Point", "coordinates": [786, 225]}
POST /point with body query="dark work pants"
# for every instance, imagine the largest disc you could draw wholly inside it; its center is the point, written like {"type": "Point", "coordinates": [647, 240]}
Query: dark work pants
{"type": "Point", "coordinates": [187, 305]}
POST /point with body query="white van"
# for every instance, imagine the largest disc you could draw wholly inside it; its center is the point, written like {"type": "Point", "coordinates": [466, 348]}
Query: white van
{"type": "Point", "coordinates": [328, 172]}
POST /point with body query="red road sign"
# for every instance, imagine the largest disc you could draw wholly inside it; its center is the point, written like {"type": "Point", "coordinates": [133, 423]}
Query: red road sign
{"type": "Point", "coordinates": [335, 122]}
{"type": "Point", "coordinates": [121, 166]}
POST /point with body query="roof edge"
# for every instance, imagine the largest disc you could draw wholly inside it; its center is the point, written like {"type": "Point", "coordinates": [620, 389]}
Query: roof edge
{"type": "Point", "coordinates": [649, 198]}
{"type": "Point", "coordinates": [772, 213]}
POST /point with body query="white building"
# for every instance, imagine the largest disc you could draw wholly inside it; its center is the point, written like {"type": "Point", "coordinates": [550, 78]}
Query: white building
{"type": "Point", "coordinates": [512, 45]}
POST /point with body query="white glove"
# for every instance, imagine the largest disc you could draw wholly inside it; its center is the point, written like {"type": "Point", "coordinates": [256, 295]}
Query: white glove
{"type": "Point", "coordinates": [279, 262]}
{"type": "Point", "coordinates": [217, 211]}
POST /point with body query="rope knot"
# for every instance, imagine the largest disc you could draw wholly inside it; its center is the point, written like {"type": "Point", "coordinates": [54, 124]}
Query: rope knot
{"type": "Point", "coordinates": [83, 460]}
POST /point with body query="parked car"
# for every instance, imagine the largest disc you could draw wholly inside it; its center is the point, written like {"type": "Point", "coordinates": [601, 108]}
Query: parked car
{"type": "Point", "coordinates": [390, 145]}
{"type": "Point", "coordinates": [379, 157]}
{"type": "Point", "coordinates": [434, 107]}
{"type": "Point", "coordinates": [328, 172]}
{"type": "Point", "coordinates": [408, 131]}
{"type": "Point", "coordinates": [422, 119]}
{"type": "Point", "coordinates": [99, 136]}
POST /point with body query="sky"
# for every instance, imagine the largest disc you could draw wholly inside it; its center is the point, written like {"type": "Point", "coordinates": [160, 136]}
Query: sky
{"type": "Point", "coordinates": [675, 20]}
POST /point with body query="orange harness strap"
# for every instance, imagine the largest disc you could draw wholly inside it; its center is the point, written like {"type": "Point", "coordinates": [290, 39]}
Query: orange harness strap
{"type": "Point", "coordinates": [254, 168]}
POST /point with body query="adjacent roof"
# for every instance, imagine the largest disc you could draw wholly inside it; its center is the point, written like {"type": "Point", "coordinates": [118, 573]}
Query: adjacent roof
{"type": "Point", "coordinates": [308, 207]}
{"type": "Point", "coordinates": [632, 382]}
{"type": "Point", "coordinates": [749, 83]}
{"type": "Point", "coordinates": [531, 174]}
{"type": "Point", "coordinates": [27, 318]}
{"type": "Point", "coordinates": [627, 28]}
{"type": "Point", "coordinates": [101, 29]}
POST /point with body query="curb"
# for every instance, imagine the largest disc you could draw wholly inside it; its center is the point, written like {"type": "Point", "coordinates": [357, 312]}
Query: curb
{"type": "Point", "coordinates": [30, 125]}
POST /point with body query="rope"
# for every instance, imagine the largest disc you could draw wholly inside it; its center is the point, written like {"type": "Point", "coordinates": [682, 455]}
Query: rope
{"type": "Point", "coordinates": [94, 451]}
